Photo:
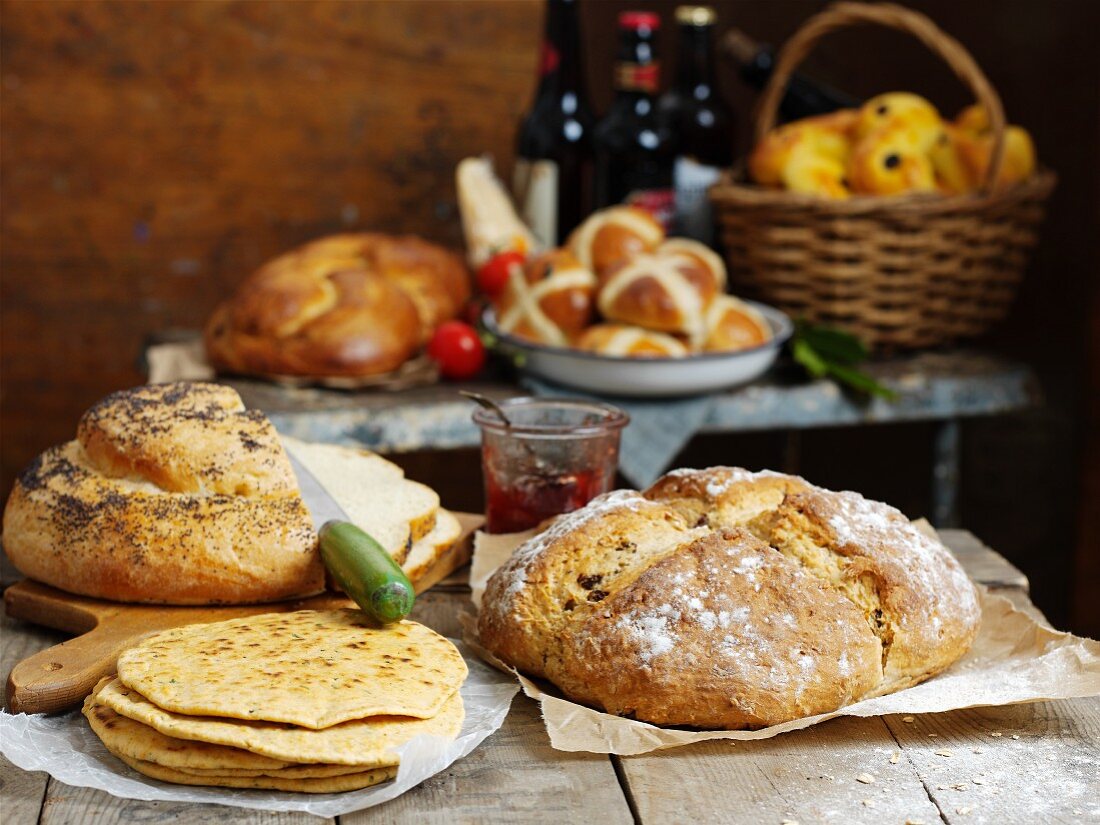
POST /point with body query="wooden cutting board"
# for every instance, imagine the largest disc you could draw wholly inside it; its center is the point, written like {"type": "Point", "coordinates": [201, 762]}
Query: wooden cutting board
{"type": "Point", "coordinates": [59, 677]}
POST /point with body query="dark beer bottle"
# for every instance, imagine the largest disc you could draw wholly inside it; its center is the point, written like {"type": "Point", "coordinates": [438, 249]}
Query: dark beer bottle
{"type": "Point", "coordinates": [633, 143]}
{"type": "Point", "coordinates": [552, 180]}
{"type": "Point", "coordinates": [702, 124]}
{"type": "Point", "coordinates": [804, 96]}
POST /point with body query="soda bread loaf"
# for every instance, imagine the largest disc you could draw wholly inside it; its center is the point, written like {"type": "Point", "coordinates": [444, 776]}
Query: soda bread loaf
{"type": "Point", "coordinates": [176, 494]}
{"type": "Point", "coordinates": [726, 599]}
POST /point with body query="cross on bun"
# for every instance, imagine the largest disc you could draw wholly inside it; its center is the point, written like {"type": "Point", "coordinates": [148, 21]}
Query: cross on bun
{"type": "Point", "coordinates": [625, 341]}
{"type": "Point", "coordinates": [611, 236]}
{"type": "Point", "coordinates": [550, 301]}
{"type": "Point", "coordinates": [732, 325]}
{"type": "Point", "coordinates": [667, 291]}
{"type": "Point", "coordinates": [347, 305]}
{"type": "Point", "coordinates": [172, 494]}
{"type": "Point", "coordinates": [726, 599]}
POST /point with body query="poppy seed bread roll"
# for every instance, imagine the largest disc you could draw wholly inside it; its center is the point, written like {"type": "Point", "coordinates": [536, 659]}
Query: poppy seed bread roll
{"type": "Point", "coordinates": [173, 494]}
{"type": "Point", "coordinates": [725, 599]}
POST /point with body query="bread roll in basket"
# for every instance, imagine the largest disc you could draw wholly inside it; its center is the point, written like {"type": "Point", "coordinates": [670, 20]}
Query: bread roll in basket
{"type": "Point", "coordinates": [724, 599]}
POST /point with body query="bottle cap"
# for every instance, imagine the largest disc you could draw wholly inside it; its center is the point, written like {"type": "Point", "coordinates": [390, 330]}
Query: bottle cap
{"type": "Point", "coordinates": [696, 15]}
{"type": "Point", "coordinates": [639, 20]}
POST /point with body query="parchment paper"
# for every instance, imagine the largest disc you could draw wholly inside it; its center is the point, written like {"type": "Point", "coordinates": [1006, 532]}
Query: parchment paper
{"type": "Point", "coordinates": [1014, 659]}
{"type": "Point", "coordinates": [65, 747]}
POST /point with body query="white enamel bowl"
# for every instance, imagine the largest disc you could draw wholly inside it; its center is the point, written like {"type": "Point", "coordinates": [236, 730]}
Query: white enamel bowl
{"type": "Point", "coordinates": [647, 377]}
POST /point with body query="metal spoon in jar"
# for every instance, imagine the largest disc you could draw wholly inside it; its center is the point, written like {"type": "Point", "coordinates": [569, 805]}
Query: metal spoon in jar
{"type": "Point", "coordinates": [488, 403]}
{"type": "Point", "coordinates": [484, 401]}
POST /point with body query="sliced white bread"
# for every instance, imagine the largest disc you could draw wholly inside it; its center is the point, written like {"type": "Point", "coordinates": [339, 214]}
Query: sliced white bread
{"type": "Point", "coordinates": [373, 492]}
{"type": "Point", "coordinates": [426, 552]}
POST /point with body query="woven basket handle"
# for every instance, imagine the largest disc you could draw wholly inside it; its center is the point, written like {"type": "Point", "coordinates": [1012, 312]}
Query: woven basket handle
{"type": "Point", "coordinates": [844, 14]}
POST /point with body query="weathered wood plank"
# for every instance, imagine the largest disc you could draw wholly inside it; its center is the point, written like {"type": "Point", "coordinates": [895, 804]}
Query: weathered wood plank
{"type": "Point", "coordinates": [515, 776]}
{"type": "Point", "coordinates": [21, 792]}
{"type": "Point", "coordinates": [805, 776]}
{"type": "Point", "coordinates": [84, 806]}
{"type": "Point", "coordinates": [440, 609]}
{"type": "Point", "coordinates": [1018, 763]}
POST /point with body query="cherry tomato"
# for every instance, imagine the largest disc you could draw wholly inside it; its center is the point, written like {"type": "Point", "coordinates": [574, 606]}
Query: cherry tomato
{"type": "Point", "coordinates": [495, 272]}
{"type": "Point", "coordinates": [457, 349]}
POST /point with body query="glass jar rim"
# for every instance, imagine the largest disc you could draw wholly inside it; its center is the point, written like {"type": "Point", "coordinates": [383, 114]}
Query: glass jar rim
{"type": "Point", "coordinates": [612, 417]}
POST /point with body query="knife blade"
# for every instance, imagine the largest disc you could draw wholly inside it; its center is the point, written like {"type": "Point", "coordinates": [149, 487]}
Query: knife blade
{"type": "Point", "coordinates": [320, 503]}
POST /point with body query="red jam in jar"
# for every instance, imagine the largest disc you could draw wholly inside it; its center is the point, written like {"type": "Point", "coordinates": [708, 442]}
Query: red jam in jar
{"type": "Point", "coordinates": [552, 457]}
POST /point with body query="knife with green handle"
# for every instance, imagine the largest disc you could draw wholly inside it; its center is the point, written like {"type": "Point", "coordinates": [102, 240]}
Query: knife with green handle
{"type": "Point", "coordinates": [366, 572]}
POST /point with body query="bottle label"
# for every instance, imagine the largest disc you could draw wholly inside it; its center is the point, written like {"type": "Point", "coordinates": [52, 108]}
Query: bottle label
{"type": "Point", "coordinates": [694, 215]}
{"type": "Point", "coordinates": [660, 203]}
{"type": "Point", "coordinates": [549, 58]}
{"type": "Point", "coordinates": [637, 77]}
{"type": "Point", "coordinates": [535, 185]}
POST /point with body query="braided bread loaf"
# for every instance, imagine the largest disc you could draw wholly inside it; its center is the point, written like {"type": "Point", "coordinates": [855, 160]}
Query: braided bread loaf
{"type": "Point", "coordinates": [726, 599]}
{"type": "Point", "coordinates": [347, 305]}
{"type": "Point", "coordinates": [171, 493]}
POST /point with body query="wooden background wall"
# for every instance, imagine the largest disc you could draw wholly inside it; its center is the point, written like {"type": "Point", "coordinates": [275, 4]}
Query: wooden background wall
{"type": "Point", "coordinates": [153, 153]}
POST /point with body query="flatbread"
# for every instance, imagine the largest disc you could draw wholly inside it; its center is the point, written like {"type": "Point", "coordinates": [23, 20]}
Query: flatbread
{"type": "Point", "coordinates": [125, 737]}
{"type": "Point", "coordinates": [362, 742]}
{"type": "Point", "coordinates": [310, 668]}
{"type": "Point", "coordinates": [293, 772]}
{"type": "Point", "coordinates": [330, 784]}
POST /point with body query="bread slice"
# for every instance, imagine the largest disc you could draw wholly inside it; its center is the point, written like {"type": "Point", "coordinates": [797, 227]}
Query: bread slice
{"type": "Point", "coordinates": [373, 492]}
{"type": "Point", "coordinates": [426, 552]}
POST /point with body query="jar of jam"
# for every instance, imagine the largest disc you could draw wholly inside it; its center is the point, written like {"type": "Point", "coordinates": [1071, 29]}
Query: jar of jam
{"type": "Point", "coordinates": [550, 456]}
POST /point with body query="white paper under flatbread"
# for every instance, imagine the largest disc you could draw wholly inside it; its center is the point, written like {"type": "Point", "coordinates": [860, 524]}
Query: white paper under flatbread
{"type": "Point", "coordinates": [1015, 659]}
{"type": "Point", "coordinates": [65, 747]}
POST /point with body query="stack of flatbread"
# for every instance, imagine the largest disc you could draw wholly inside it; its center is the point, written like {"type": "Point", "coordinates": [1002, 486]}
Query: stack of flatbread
{"type": "Point", "coordinates": [403, 516]}
{"type": "Point", "coordinates": [312, 701]}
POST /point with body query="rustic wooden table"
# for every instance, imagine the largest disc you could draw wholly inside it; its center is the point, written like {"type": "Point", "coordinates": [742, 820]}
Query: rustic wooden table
{"type": "Point", "coordinates": [942, 388]}
{"type": "Point", "coordinates": [1034, 763]}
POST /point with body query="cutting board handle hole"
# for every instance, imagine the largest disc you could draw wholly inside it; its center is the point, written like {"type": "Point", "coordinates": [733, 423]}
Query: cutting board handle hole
{"type": "Point", "coordinates": [52, 666]}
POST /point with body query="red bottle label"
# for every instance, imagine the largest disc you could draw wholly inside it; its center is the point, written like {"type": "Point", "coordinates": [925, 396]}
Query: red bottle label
{"type": "Point", "coordinates": [660, 203]}
{"type": "Point", "coordinates": [549, 58]}
{"type": "Point", "coordinates": [636, 77]}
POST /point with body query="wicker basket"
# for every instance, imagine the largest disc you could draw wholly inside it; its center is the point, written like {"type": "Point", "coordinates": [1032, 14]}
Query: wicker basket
{"type": "Point", "coordinates": [900, 271]}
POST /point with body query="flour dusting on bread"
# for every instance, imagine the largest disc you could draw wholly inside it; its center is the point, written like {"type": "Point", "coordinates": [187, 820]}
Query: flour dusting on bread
{"type": "Point", "coordinates": [724, 598]}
